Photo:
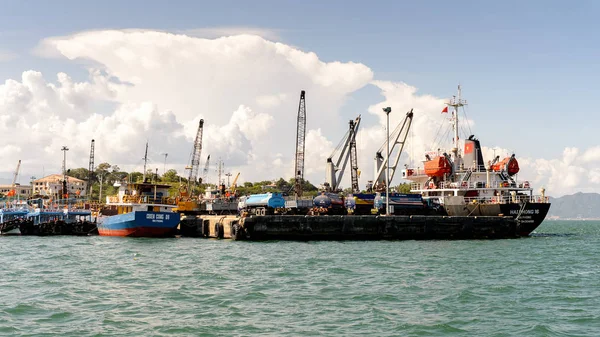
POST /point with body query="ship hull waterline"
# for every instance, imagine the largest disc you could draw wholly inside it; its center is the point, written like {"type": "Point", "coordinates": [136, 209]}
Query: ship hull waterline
{"type": "Point", "coordinates": [530, 214]}
{"type": "Point", "coordinates": [140, 224]}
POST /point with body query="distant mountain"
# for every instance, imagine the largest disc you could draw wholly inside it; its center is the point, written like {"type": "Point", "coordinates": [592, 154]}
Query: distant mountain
{"type": "Point", "coordinates": [578, 205]}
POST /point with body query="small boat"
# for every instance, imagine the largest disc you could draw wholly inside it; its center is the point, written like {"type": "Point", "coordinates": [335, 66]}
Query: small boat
{"type": "Point", "coordinates": [139, 209]}
{"type": "Point", "coordinates": [11, 218]}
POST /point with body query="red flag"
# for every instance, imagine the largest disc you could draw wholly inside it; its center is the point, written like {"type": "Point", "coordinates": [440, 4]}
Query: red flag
{"type": "Point", "coordinates": [445, 110]}
{"type": "Point", "coordinates": [468, 147]}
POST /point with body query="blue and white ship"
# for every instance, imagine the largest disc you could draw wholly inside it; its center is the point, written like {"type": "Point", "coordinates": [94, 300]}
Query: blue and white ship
{"type": "Point", "coordinates": [139, 209]}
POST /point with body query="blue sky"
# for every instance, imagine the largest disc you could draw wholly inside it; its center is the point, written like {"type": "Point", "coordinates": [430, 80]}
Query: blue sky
{"type": "Point", "coordinates": [529, 69]}
{"type": "Point", "coordinates": [525, 62]}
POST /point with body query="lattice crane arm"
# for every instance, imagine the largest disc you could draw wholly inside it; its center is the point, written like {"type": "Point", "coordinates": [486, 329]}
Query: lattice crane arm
{"type": "Point", "coordinates": [343, 152]}
{"type": "Point", "coordinates": [14, 181]}
{"type": "Point", "coordinates": [205, 170]}
{"type": "Point", "coordinates": [381, 162]}
{"type": "Point", "coordinates": [300, 147]}
{"type": "Point", "coordinates": [12, 191]}
{"type": "Point", "coordinates": [195, 157]}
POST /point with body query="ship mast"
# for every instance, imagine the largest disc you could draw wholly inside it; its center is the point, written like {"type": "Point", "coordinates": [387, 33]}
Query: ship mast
{"type": "Point", "coordinates": [456, 102]}
{"type": "Point", "coordinates": [145, 162]}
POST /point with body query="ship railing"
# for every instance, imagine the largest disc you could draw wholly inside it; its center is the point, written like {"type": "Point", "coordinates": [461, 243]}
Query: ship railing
{"type": "Point", "coordinates": [468, 185]}
{"type": "Point", "coordinates": [143, 199]}
{"type": "Point", "coordinates": [415, 172]}
{"type": "Point", "coordinates": [514, 199]}
{"type": "Point", "coordinates": [415, 186]}
{"type": "Point", "coordinates": [291, 198]}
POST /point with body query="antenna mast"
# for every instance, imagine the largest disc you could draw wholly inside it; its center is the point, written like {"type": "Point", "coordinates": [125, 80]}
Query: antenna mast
{"type": "Point", "coordinates": [65, 187]}
{"type": "Point", "coordinates": [455, 103]}
{"type": "Point", "coordinates": [145, 162]}
{"type": "Point", "coordinates": [300, 137]}
{"type": "Point", "coordinates": [220, 171]}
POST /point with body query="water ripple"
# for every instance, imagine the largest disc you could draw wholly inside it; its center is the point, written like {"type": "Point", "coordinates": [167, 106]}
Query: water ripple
{"type": "Point", "coordinates": [545, 285]}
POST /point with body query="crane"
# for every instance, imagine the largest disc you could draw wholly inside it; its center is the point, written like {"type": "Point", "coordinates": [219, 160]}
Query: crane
{"type": "Point", "coordinates": [382, 162]}
{"type": "Point", "coordinates": [345, 150]}
{"type": "Point", "coordinates": [13, 191]}
{"type": "Point", "coordinates": [354, 173]}
{"type": "Point", "coordinates": [205, 170]}
{"type": "Point", "coordinates": [91, 168]}
{"type": "Point", "coordinates": [195, 158]}
{"type": "Point", "coordinates": [300, 137]}
{"type": "Point", "coordinates": [233, 186]}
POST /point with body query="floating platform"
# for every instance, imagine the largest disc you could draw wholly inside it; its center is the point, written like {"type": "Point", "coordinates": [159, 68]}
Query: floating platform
{"type": "Point", "coordinates": [47, 228]}
{"type": "Point", "coordinates": [351, 227]}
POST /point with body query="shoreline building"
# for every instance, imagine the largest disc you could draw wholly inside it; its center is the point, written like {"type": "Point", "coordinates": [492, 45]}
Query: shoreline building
{"type": "Point", "coordinates": [52, 185]}
{"type": "Point", "coordinates": [22, 191]}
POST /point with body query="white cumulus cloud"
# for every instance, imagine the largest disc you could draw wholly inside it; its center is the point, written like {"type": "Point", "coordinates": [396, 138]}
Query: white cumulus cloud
{"type": "Point", "coordinates": [155, 86]}
{"type": "Point", "coordinates": [151, 86]}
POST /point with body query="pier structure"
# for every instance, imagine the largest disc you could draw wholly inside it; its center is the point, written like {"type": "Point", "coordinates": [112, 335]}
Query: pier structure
{"type": "Point", "coordinates": [350, 227]}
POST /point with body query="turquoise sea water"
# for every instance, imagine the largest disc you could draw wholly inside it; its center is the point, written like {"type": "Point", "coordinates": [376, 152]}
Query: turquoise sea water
{"type": "Point", "coordinates": [545, 285]}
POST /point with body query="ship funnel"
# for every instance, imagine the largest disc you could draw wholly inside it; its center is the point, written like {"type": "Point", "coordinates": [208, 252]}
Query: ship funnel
{"type": "Point", "coordinates": [473, 158]}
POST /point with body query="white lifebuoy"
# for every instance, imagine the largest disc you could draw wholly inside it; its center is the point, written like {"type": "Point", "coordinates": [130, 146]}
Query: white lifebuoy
{"type": "Point", "coordinates": [431, 184]}
{"type": "Point", "coordinates": [464, 184]}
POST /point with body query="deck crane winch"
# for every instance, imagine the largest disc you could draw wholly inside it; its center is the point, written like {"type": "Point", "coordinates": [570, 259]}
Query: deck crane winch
{"type": "Point", "coordinates": [300, 138]}
{"type": "Point", "coordinates": [345, 150]}
{"type": "Point", "coordinates": [12, 192]}
{"type": "Point", "coordinates": [195, 158]}
{"type": "Point", "coordinates": [381, 161]}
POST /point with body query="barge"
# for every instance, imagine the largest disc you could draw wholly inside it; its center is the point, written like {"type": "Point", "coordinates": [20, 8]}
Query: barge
{"type": "Point", "coordinates": [352, 227]}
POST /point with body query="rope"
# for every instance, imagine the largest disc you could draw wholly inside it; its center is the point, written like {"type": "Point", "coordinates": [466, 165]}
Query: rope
{"type": "Point", "coordinates": [474, 208]}
{"type": "Point", "coordinates": [341, 144]}
{"type": "Point", "coordinates": [467, 118]}
{"type": "Point", "coordinates": [437, 137]}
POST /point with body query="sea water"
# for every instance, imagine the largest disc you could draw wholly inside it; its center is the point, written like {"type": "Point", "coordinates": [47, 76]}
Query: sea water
{"type": "Point", "coordinates": [544, 285]}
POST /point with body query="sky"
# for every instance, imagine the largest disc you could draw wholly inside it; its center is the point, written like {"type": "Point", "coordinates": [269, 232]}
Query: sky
{"type": "Point", "coordinates": [125, 73]}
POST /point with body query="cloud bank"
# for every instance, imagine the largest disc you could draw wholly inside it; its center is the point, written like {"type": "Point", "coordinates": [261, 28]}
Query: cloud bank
{"type": "Point", "coordinates": [149, 86]}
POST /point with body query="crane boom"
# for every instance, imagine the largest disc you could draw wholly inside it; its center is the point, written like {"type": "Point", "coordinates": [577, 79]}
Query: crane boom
{"type": "Point", "coordinates": [195, 158]}
{"type": "Point", "coordinates": [205, 170]}
{"type": "Point", "coordinates": [16, 174]}
{"type": "Point", "coordinates": [300, 137]}
{"type": "Point", "coordinates": [381, 162]}
{"type": "Point", "coordinates": [91, 168]}
{"type": "Point", "coordinates": [354, 161]}
{"type": "Point", "coordinates": [335, 168]}
{"type": "Point", "coordinates": [13, 191]}
{"type": "Point", "coordinates": [233, 186]}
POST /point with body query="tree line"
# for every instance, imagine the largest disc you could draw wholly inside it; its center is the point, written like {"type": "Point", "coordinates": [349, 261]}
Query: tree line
{"type": "Point", "coordinates": [105, 175]}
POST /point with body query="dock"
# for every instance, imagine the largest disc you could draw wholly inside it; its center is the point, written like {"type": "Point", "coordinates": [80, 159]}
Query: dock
{"type": "Point", "coordinates": [350, 227]}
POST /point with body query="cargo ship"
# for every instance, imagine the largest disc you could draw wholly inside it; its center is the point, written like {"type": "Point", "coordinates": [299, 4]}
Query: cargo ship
{"type": "Point", "coordinates": [139, 209]}
{"type": "Point", "coordinates": [463, 184]}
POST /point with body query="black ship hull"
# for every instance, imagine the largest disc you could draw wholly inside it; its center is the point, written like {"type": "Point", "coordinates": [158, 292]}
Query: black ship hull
{"type": "Point", "coordinates": [530, 214]}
